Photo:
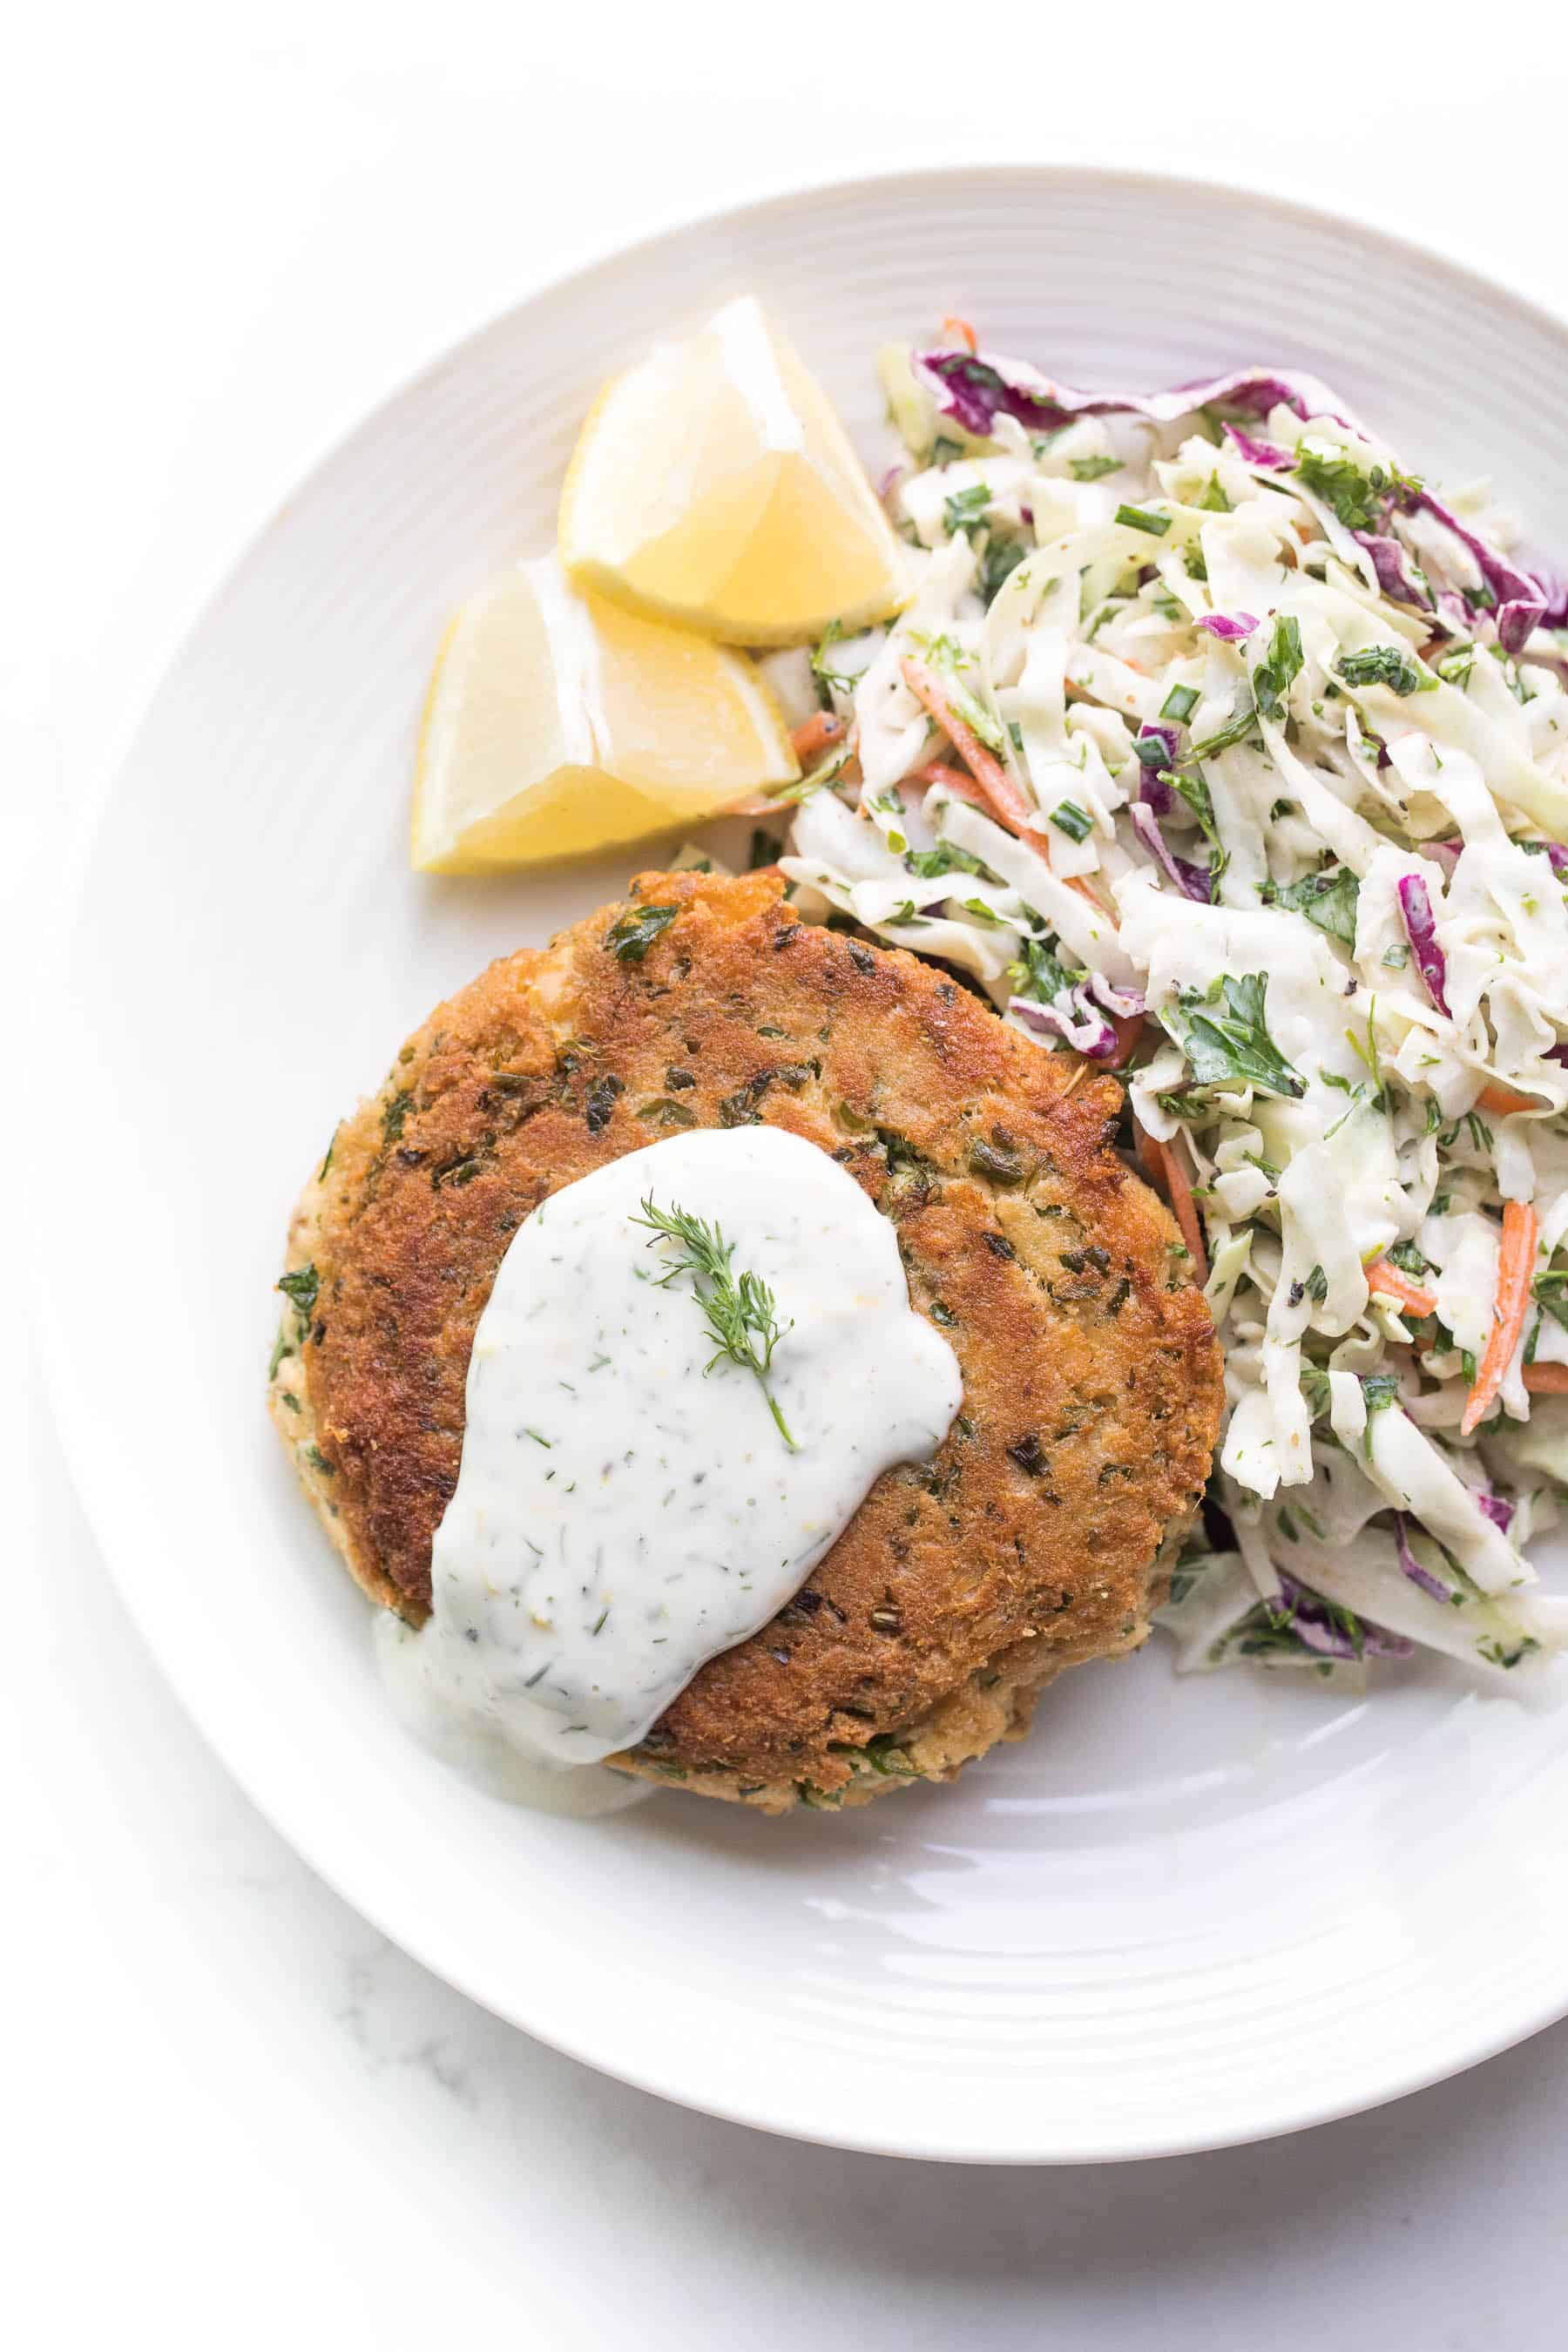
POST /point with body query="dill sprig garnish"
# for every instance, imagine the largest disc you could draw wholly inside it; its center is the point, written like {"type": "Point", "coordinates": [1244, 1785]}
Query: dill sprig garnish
{"type": "Point", "coordinates": [743, 1319]}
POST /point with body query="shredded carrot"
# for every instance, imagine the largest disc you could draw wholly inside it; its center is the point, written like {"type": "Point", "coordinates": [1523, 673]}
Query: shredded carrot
{"type": "Point", "coordinates": [785, 804]}
{"type": "Point", "coordinates": [1383, 1275]}
{"type": "Point", "coordinates": [959, 331]}
{"type": "Point", "coordinates": [1505, 1100]}
{"type": "Point", "coordinates": [1143, 1148]}
{"type": "Point", "coordinates": [1003, 798]}
{"type": "Point", "coordinates": [1185, 1207]}
{"type": "Point", "coordinates": [1166, 1173]}
{"type": "Point", "coordinates": [1546, 1379]}
{"type": "Point", "coordinates": [953, 780]}
{"type": "Point", "coordinates": [964, 788]}
{"type": "Point", "coordinates": [1515, 1270]}
{"type": "Point", "coordinates": [1128, 1032]}
{"type": "Point", "coordinates": [816, 734]}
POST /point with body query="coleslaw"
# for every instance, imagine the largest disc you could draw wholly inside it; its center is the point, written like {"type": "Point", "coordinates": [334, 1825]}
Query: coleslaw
{"type": "Point", "coordinates": [1215, 746]}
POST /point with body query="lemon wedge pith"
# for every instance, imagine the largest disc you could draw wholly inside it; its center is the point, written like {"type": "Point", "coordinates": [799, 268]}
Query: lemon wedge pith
{"type": "Point", "coordinates": [558, 723]}
{"type": "Point", "coordinates": [713, 486]}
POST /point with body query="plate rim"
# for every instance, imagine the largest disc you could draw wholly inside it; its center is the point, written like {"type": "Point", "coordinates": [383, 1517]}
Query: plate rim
{"type": "Point", "coordinates": [87, 1481]}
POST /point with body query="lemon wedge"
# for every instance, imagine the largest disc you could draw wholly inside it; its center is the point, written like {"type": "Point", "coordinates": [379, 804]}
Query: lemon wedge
{"type": "Point", "coordinates": [713, 486]}
{"type": "Point", "coordinates": [558, 723]}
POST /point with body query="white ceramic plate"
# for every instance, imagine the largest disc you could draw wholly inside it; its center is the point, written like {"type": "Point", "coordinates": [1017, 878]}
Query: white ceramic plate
{"type": "Point", "coordinates": [1181, 1913]}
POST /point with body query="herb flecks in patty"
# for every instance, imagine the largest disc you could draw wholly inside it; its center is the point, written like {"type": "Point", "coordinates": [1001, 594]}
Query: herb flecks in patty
{"type": "Point", "coordinates": [631, 938]}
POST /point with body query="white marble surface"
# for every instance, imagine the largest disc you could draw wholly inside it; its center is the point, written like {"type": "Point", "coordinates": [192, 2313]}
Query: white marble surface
{"type": "Point", "coordinates": [234, 2112]}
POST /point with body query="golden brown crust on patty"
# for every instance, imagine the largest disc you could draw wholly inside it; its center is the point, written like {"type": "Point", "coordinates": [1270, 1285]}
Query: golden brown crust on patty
{"type": "Point", "coordinates": [1091, 1374]}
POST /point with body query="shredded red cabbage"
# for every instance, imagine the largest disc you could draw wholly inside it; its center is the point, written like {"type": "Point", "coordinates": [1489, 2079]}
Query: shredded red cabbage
{"type": "Point", "coordinates": [1167, 737]}
{"type": "Point", "coordinates": [1262, 452]}
{"type": "Point", "coordinates": [1411, 1566]}
{"type": "Point", "coordinates": [1152, 790]}
{"type": "Point", "coordinates": [1555, 588]}
{"type": "Point", "coordinates": [1421, 931]}
{"type": "Point", "coordinates": [1554, 852]}
{"type": "Point", "coordinates": [1155, 792]}
{"type": "Point", "coordinates": [1192, 881]}
{"type": "Point", "coordinates": [1231, 626]}
{"type": "Point", "coordinates": [1396, 572]}
{"type": "Point", "coordinates": [975, 388]}
{"type": "Point", "coordinates": [1498, 1509]}
{"type": "Point", "coordinates": [1082, 1026]}
{"type": "Point", "coordinates": [1320, 1627]}
{"type": "Point", "coordinates": [1521, 599]}
{"type": "Point", "coordinates": [1125, 1004]}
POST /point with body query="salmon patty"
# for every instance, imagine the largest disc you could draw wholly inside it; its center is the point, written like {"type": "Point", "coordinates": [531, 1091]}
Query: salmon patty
{"type": "Point", "coordinates": [1040, 1533]}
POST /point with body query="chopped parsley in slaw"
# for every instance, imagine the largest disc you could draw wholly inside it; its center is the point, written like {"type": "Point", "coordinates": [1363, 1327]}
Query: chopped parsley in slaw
{"type": "Point", "coordinates": [1217, 747]}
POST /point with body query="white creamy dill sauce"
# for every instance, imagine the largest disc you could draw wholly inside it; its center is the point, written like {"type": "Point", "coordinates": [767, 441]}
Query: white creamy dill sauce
{"type": "Point", "coordinates": [627, 1507]}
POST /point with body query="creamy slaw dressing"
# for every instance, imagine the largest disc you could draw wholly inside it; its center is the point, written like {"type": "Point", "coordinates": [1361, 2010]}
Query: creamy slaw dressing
{"type": "Point", "coordinates": [626, 1509]}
